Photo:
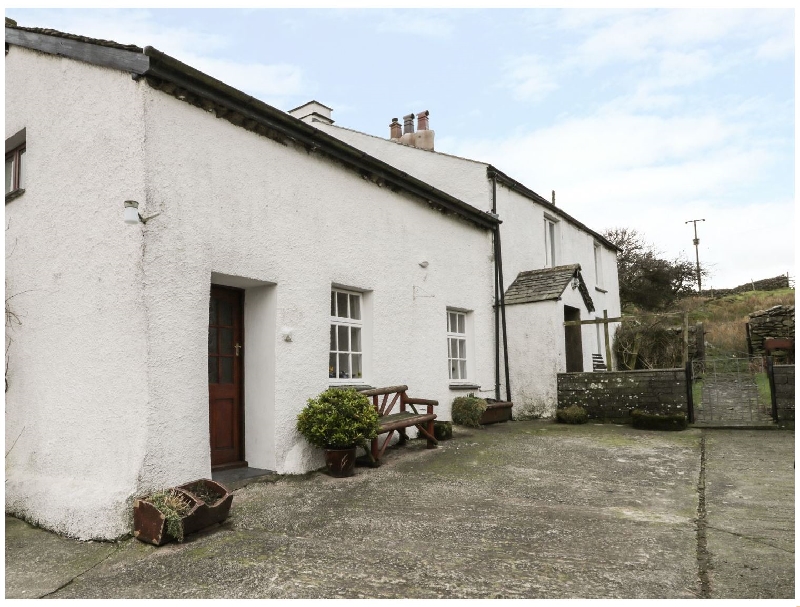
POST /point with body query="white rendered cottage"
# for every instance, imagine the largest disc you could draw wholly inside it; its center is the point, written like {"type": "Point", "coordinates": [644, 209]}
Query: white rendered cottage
{"type": "Point", "coordinates": [272, 261]}
{"type": "Point", "coordinates": [556, 269]}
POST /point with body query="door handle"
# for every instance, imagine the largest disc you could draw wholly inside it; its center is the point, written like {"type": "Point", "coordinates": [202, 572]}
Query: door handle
{"type": "Point", "coordinates": [238, 347]}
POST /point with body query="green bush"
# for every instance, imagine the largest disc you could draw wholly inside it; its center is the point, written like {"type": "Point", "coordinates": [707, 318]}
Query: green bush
{"type": "Point", "coordinates": [572, 415]}
{"type": "Point", "coordinates": [338, 418]}
{"type": "Point", "coordinates": [467, 411]}
{"type": "Point", "coordinates": [652, 421]}
{"type": "Point", "coordinates": [443, 430]}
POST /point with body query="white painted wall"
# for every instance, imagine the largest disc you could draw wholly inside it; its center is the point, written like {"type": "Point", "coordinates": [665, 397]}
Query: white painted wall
{"type": "Point", "coordinates": [522, 234]}
{"type": "Point", "coordinates": [460, 177]}
{"type": "Point", "coordinates": [316, 225]}
{"type": "Point", "coordinates": [109, 364]}
{"type": "Point", "coordinates": [77, 378]}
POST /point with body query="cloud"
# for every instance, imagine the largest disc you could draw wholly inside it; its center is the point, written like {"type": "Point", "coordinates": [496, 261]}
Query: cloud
{"type": "Point", "coordinates": [528, 78]}
{"type": "Point", "coordinates": [273, 83]}
{"type": "Point", "coordinates": [653, 173]}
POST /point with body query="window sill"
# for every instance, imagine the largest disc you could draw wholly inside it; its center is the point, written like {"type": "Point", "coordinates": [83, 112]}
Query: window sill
{"type": "Point", "coordinates": [600, 290]}
{"type": "Point", "coordinates": [15, 194]}
{"type": "Point", "coordinates": [465, 387]}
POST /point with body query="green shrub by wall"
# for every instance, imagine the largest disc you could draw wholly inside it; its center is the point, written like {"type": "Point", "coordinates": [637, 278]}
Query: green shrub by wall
{"type": "Point", "coordinates": [572, 415]}
{"type": "Point", "coordinates": [467, 411]}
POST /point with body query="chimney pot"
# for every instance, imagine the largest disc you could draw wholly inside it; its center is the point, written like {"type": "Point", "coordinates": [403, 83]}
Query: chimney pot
{"type": "Point", "coordinates": [554, 198]}
{"type": "Point", "coordinates": [408, 124]}
{"type": "Point", "coordinates": [395, 131]}
{"type": "Point", "coordinates": [422, 120]}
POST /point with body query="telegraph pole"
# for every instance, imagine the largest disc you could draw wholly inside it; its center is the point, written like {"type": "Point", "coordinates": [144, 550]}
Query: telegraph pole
{"type": "Point", "coordinates": [697, 252]}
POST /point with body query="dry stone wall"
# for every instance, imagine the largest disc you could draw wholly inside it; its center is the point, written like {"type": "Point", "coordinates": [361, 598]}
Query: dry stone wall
{"type": "Point", "coordinates": [615, 394]}
{"type": "Point", "coordinates": [767, 284]}
{"type": "Point", "coordinates": [777, 322]}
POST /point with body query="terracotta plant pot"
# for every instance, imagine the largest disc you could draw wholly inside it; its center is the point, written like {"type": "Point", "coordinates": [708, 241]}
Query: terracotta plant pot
{"type": "Point", "coordinates": [150, 524]}
{"type": "Point", "coordinates": [340, 462]}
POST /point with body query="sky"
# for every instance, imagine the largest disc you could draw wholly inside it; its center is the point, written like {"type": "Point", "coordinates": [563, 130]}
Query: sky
{"type": "Point", "coordinates": [642, 119]}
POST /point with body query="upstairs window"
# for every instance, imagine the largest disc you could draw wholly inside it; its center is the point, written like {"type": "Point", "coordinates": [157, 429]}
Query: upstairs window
{"type": "Point", "coordinates": [15, 169]}
{"type": "Point", "coordinates": [346, 356]}
{"type": "Point", "coordinates": [457, 345]}
{"type": "Point", "coordinates": [598, 265]}
{"type": "Point", "coordinates": [550, 243]}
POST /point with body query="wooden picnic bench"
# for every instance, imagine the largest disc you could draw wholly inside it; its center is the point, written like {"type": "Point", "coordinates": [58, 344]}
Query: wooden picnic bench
{"type": "Point", "coordinates": [400, 420]}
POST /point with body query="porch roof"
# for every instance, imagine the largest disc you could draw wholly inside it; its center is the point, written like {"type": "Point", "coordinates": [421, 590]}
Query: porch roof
{"type": "Point", "coordinates": [545, 285]}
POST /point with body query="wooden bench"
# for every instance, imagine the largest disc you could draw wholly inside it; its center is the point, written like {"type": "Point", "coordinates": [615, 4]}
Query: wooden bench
{"type": "Point", "coordinates": [402, 419]}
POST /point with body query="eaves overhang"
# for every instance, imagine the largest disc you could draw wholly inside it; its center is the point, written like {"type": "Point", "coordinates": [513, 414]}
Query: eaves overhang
{"type": "Point", "coordinates": [174, 77]}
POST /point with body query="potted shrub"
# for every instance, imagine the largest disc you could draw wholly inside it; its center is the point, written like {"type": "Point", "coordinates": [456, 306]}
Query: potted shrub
{"type": "Point", "coordinates": [339, 420]}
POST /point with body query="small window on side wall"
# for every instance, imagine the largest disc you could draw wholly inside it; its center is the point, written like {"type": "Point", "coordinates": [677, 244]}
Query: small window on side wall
{"type": "Point", "coordinates": [598, 265]}
{"type": "Point", "coordinates": [550, 243]}
{"type": "Point", "coordinates": [457, 345]}
{"type": "Point", "coordinates": [15, 163]}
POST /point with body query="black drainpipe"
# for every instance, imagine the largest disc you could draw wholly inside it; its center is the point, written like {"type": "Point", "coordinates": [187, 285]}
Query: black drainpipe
{"type": "Point", "coordinates": [496, 299]}
{"type": "Point", "coordinates": [499, 289]}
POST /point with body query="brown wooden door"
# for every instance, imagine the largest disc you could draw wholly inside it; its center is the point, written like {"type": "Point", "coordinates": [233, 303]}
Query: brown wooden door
{"type": "Point", "coordinates": [225, 377]}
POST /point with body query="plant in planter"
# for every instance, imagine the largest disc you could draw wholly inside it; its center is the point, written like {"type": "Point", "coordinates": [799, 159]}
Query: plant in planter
{"type": "Point", "coordinates": [339, 420]}
{"type": "Point", "coordinates": [179, 511]}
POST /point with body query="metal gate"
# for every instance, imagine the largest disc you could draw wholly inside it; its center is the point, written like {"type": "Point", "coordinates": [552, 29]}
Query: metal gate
{"type": "Point", "coordinates": [731, 391]}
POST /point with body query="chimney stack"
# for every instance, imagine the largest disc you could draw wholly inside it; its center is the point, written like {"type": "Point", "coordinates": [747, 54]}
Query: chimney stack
{"type": "Point", "coordinates": [554, 198]}
{"type": "Point", "coordinates": [395, 131]}
{"type": "Point", "coordinates": [422, 139]}
{"type": "Point", "coordinates": [408, 124]}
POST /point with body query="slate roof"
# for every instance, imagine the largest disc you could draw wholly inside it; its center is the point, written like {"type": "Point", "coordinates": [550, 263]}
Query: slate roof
{"type": "Point", "coordinates": [192, 86]}
{"type": "Point", "coordinates": [546, 284]}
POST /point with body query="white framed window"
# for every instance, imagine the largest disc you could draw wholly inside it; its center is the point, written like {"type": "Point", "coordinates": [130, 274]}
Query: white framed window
{"type": "Point", "coordinates": [346, 360]}
{"type": "Point", "coordinates": [598, 265]}
{"type": "Point", "coordinates": [550, 243]}
{"type": "Point", "coordinates": [457, 345]}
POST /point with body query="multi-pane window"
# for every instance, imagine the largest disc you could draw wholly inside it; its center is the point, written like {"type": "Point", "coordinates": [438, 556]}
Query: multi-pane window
{"type": "Point", "coordinates": [550, 260]}
{"type": "Point", "coordinates": [457, 344]}
{"type": "Point", "coordinates": [15, 169]}
{"type": "Point", "coordinates": [346, 355]}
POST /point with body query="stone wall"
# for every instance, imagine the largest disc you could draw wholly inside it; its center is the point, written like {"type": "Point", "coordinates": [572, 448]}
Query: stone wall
{"type": "Point", "coordinates": [614, 394]}
{"type": "Point", "coordinates": [697, 344]}
{"type": "Point", "coordinates": [778, 322]}
{"type": "Point", "coordinates": [784, 391]}
{"type": "Point", "coordinates": [767, 284]}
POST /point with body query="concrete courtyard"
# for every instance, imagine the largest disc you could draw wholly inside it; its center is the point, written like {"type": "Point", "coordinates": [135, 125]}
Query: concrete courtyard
{"type": "Point", "coordinates": [517, 510]}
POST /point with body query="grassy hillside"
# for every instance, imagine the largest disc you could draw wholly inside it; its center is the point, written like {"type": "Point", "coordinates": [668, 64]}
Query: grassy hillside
{"type": "Point", "coordinates": [724, 318]}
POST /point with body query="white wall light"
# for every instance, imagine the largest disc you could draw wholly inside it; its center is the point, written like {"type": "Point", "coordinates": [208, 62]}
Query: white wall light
{"type": "Point", "coordinates": [131, 212]}
{"type": "Point", "coordinates": [286, 333]}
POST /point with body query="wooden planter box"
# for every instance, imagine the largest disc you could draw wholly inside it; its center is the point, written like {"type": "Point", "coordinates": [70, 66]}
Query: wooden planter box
{"type": "Point", "coordinates": [496, 411]}
{"type": "Point", "coordinates": [150, 525]}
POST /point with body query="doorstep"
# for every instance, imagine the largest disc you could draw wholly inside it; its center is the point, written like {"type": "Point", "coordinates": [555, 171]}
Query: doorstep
{"type": "Point", "coordinates": [236, 478]}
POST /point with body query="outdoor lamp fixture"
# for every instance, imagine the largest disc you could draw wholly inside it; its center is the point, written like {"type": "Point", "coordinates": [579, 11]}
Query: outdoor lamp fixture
{"type": "Point", "coordinates": [132, 216]}
{"type": "Point", "coordinates": [575, 282]}
{"type": "Point", "coordinates": [132, 212]}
